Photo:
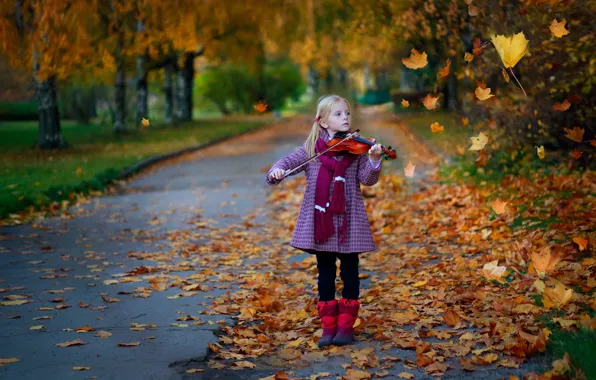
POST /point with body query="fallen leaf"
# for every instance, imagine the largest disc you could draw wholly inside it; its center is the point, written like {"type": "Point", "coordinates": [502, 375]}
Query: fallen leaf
{"type": "Point", "coordinates": [498, 206]}
{"type": "Point", "coordinates": [451, 318]}
{"type": "Point", "coordinates": [7, 361]}
{"type": "Point", "coordinates": [14, 303]}
{"type": "Point", "coordinates": [129, 344]}
{"type": "Point", "coordinates": [581, 242]}
{"type": "Point", "coordinates": [81, 368]}
{"type": "Point", "coordinates": [69, 343]}
{"type": "Point", "coordinates": [38, 327]}
{"type": "Point", "coordinates": [103, 334]}
{"type": "Point", "coordinates": [409, 170]}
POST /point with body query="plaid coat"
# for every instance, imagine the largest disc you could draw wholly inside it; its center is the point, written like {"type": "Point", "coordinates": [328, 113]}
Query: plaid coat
{"type": "Point", "coordinates": [359, 237]}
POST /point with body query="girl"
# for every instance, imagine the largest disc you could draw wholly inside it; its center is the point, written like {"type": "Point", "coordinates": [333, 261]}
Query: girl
{"type": "Point", "coordinates": [332, 222]}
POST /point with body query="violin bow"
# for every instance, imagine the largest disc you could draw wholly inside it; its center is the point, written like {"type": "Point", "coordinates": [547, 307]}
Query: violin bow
{"type": "Point", "coordinates": [287, 173]}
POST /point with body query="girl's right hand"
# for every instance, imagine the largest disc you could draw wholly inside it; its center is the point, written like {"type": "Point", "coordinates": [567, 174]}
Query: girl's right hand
{"type": "Point", "coordinates": [277, 174]}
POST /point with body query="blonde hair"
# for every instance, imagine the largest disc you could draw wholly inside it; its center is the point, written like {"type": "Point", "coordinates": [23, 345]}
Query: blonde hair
{"type": "Point", "coordinates": [324, 107]}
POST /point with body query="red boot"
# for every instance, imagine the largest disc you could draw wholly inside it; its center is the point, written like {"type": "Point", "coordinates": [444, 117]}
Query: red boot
{"type": "Point", "coordinates": [328, 314]}
{"type": "Point", "coordinates": [348, 311]}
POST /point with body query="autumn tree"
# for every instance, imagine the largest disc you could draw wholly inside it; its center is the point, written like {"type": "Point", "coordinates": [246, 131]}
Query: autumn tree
{"type": "Point", "coordinates": [50, 38]}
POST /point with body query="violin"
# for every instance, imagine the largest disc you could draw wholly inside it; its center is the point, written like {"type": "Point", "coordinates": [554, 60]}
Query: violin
{"type": "Point", "coordinates": [346, 141]}
{"type": "Point", "coordinates": [357, 145]}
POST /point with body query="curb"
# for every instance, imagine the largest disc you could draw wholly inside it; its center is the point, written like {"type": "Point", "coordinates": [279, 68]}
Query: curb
{"type": "Point", "coordinates": [148, 162]}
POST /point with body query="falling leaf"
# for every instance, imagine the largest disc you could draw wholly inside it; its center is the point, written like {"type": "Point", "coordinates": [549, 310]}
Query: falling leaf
{"type": "Point", "coordinates": [581, 242]}
{"type": "Point", "coordinates": [479, 142]}
{"type": "Point", "coordinates": [261, 107]}
{"type": "Point", "coordinates": [561, 107]}
{"type": "Point", "coordinates": [473, 10]}
{"type": "Point", "coordinates": [415, 60]}
{"type": "Point", "coordinates": [510, 49]}
{"type": "Point", "coordinates": [543, 261]}
{"type": "Point", "coordinates": [498, 206]}
{"type": "Point", "coordinates": [405, 103]}
{"type": "Point", "coordinates": [540, 151]}
{"type": "Point", "coordinates": [6, 361]}
{"type": "Point", "coordinates": [409, 170]}
{"type": "Point", "coordinates": [478, 48]}
{"type": "Point", "coordinates": [468, 57]}
{"type": "Point", "coordinates": [505, 75]}
{"type": "Point", "coordinates": [430, 102]}
{"type": "Point", "coordinates": [81, 368]}
{"type": "Point", "coordinates": [483, 94]}
{"type": "Point", "coordinates": [129, 344]}
{"type": "Point", "coordinates": [558, 28]}
{"type": "Point", "coordinates": [435, 127]}
{"type": "Point", "coordinates": [493, 271]}
{"type": "Point", "coordinates": [593, 142]}
{"type": "Point", "coordinates": [145, 122]}
{"type": "Point", "coordinates": [576, 154]}
{"type": "Point", "coordinates": [69, 343]}
{"type": "Point", "coordinates": [444, 72]}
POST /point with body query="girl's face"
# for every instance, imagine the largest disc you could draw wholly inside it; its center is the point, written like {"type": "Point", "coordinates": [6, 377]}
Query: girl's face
{"type": "Point", "coordinates": [338, 120]}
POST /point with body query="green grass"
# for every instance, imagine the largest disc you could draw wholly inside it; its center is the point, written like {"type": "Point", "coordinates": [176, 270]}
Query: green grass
{"type": "Point", "coordinates": [581, 347]}
{"type": "Point", "coordinates": [18, 109]}
{"type": "Point", "coordinates": [30, 177]}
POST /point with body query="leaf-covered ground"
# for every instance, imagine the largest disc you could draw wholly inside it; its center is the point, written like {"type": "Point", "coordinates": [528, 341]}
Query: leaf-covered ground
{"type": "Point", "coordinates": [456, 289]}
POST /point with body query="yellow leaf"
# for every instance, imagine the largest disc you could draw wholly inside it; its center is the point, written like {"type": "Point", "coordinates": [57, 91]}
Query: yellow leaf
{"type": "Point", "coordinates": [405, 103]}
{"type": "Point", "coordinates": [435, 127]}
{"type": "Point", "coordinates": [415, 60]}
{"type": "Point", "coordinates": [243, 364]}
{"type": "Point", "coordinates": [525, 308]}
{"type": "Point", "coordinates": [468, 57]}
{"type": "Point", "coordinates": [145, 122]}
{"type": "Point", "coordinates": [540, 151]}
{"type": "Point", "coordinates": [103, 334]}
{"type": "Point", "coordinates": [194, 370]}
{"type": "Point", "coordinates": [406, 375]}
{"type": "Point", "coordinates": [510, 49]}
{"type": "Point", "coordinates": [559, 295]}
{"type": "Point", "coordinates": [539, 285]}
{"type": "Point", "coordinates": [38, 327]}
{"type": "Point", "coordinates": [79, 171]}
{"type": "Point", "coordinates": [483, 94]}
{"type": "Point", "coordinates": [562, 366]}
{"type": "Point", "coordinates": [565, 322]}
{"type": "Point", "coordinates": [69, 343]}
{"type": "Point", "coordinates": [419, 283]}
{"type": "Point", "coordinates": [430, 102]}
{"type": "Point", "coordinates": [409, 170]}
{"type": "Point", "coordinates": [479, 142]}
{"type": "Point", "coordinates": [558, 28]}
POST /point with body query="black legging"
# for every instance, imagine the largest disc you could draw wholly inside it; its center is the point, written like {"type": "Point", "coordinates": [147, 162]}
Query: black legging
{"type": "Point", "coordinates": [348, 272]}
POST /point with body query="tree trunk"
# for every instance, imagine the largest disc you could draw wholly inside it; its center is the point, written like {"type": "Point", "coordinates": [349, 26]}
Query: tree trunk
{"type": "Point", "coordinates": [120, 100]}
{"type": "Point", "coordinates": [184, 88]}
{"type": "Point", "coordinates": [168, 92]}
{"type": "Point", "coordinates": [313, 81]}
{"type": "Point", "coordinates": [452, 94]}
{"type": "Point", "coordinates": [142, 92]}
{"type": "Point", "coordinates": [49, 136]}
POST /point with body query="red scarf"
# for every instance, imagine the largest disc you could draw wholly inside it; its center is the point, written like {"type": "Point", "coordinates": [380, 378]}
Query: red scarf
{"type": "Point", "coordinates": [330, 169]}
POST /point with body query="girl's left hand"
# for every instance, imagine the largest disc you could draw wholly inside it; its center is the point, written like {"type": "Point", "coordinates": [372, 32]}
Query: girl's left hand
{"type": "Point", "coordinates": [375, 152]}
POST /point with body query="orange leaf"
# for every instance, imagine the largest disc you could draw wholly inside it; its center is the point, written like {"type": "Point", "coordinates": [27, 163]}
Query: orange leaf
{"type": "Point", "coordinates": [409, 170]}
{"type": "Point", "coordinates": [498, 206]}
{"type": "Point", "coordinates": [76, 342]}
{"type": "Point", "coordinates": [483, 94]}
{"type": "Point", "coordinates": [544, 261]}
{"type": "Point", "coordinates": [444, 72]}
{"type": "Point", "coordinates": [435, 127]}
{"type": "Point", "coordinates": [558, 28]}
{"type": "Point", "coordinates": [468, 57]}
{"type": "Point", "coordinates": [405, 103]}
{"type": "Point", "coordinates": [576, 154]}
{"type": "Point", "coordinates": [261, 107]}
{"type": "Point", "coordinates": [430, 102]}
{"type": "Point", "coordinates": [416, 60]}
{"type": "Point", "coordinates": [581, 242]}
{"type": "Point", "coordinates": [561, 107]}
{"type": "Point", "coordinates": [451, 318]}
{"type": "Point", "coordinates": [576, 134]}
